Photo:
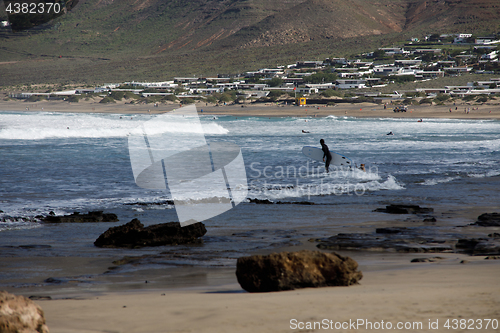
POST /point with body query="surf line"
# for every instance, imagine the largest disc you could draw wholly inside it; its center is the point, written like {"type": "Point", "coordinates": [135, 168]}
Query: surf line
{"type": "Point", "coordinates": [300, 190]}
{"type": "Point", "coordinates": [306, 171]}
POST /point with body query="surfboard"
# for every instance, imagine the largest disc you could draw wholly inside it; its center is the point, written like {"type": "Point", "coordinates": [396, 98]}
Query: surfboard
{"type": "Point", "coordinates": [317, 154]}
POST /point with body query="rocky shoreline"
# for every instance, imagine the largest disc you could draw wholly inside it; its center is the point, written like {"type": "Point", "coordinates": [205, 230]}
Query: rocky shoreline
{"type": "Point", "coordinates": [419, 239]}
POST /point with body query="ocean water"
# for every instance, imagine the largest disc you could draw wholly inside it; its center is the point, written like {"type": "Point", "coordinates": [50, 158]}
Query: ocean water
{"type": "Point", "coordinates": [64, 162]}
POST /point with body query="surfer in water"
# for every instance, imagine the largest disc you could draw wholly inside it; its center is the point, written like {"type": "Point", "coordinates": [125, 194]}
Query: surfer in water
{"type": "Point", "coordinates": [326, 153]}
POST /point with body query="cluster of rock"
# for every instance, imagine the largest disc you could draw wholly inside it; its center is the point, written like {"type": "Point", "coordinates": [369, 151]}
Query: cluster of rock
{"type": "Point", "coordinates": [76, 217]}
{"type": "Point", "coordinates": [419, 239]}
{"type": "Point", "coordinates": [135, 235]}
{"type": "Point", "coordinates": [293, 270]}
{"type": "Point", "coordinates": [20, 314]}
{"type": "Point", "coordinates": [398, 239]}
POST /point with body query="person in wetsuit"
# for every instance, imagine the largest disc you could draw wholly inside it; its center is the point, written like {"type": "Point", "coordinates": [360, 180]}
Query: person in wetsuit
{"type": "Point", "coordinates": [326, 153]}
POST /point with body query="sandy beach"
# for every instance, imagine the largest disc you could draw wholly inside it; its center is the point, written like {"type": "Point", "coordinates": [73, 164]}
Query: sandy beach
{"type": "Point", "coordinates": [392, 292]}
{"type": "Point", "coordinates": [360, 110]}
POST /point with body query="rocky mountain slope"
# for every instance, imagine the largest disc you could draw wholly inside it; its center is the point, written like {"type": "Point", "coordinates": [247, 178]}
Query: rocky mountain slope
{"type": "Point", "coordinates": [111, 40]}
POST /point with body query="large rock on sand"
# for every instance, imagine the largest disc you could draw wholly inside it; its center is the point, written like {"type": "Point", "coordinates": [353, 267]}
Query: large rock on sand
{"type": "Point", "coordinates": [133, 235]}
{"type": "Point", "coordinates": [293, 270]}
{"type": "Point", "coordinates": [19, 314]}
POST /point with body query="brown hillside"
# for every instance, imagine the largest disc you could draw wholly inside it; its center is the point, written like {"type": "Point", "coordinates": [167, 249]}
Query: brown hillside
{"type": "Point", "coordinates": [110, 40]}
{"type": "Point", "coordinates": [453, 15]}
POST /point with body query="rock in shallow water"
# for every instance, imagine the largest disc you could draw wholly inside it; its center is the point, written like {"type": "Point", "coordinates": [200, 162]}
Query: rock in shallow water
{"type": "Point", "coordinates": [488, 220]}
{"type": "Point", "coordinates": [134, 234]}
{"type": "Point", "coordinates": [20, 314]}
{"type": "Point", "coordinates": [404, 209]}
{"type": "Point", "coordinates": [293, 270]}
{"type": "Point", "coordinates": [76, 217]}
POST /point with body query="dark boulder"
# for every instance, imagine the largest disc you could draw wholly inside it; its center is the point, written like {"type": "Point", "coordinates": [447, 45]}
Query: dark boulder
{"type": "Point", "coordinates": [404, 209]}
{"type": "Point", "coordinates": [433, 259]}
{"type": "Point", "coordinates": [390, 230]}
{"type": "Point", "coordinates": [261, 201]}
{"type": "Point", "coordinates": [134, 235]}
{"type": "Point", "coordinates": [479, 246]}
{"type": "Point", "coordinates": [269, 202]}
{"type": "Point", "coordinates": [293, 270]}
{"type": "Point", "coordinates": [488, 220]}
{"type": "Point", "coordinates": [76, 217]}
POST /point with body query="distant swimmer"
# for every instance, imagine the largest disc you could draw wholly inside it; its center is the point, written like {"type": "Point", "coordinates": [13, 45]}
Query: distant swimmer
{"type": "Point", "coordinates": [362, 168]}
{"type": "Point", "coordinates": [420, 120]}
{"type": "Point", "coordinates": [326, 153]}
{"type": "Point", "coordinates": [303, 131]}
{"type": "Point", "coordinates": [390, 133]}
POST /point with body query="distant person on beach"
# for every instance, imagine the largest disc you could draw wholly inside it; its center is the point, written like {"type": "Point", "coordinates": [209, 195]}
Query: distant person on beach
{"type": "Point", "coordinates": [326, 153]}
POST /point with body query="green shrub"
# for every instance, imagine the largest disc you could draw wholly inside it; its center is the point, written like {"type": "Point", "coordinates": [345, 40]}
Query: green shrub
{"type": "Point", "coordinates": [117, 95]}
{"type": "Point", "coordinates": [275, 82]}
{"type": "Point", "coordinates": [275, 94]}
{"type": "Point", "coordinates": [187, 100]}
{"type": "Point", "coordinates": [107, 99]}
{"type": "Point", "coordinates": [36, 98]}
{"type": "Point", "coordinates": [171, 98]}
{"type": "Point", "coordinates": [425, 101]}
{"type": "Point", "coordinates": [482, 99]}
{"type": "Point", "coordinates": [211, 99]}
{"type": "Point", "coordinates": [442, 97]}
{"type": "Point", "coordinates": [331, 93]}
{"type": "Point", "coordinates": [74, 98]}
{"type": "Point", "coordinates": [321, 78]}
{"type": "Point", "coordinates": [130, 95]}
{"type": "Point", "coordinates": [403, 78]}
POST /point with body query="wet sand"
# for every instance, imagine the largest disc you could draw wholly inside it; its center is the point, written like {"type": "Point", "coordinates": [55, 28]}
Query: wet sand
{"type": "Point", "coordinates": [485, 111]}
{"type": "Point", "coordinates": [392, 290]}
{"type": "Point", "coordinates": [209, 299]}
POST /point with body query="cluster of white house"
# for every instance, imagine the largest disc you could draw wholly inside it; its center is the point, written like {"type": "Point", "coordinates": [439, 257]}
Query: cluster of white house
{"type": "Point", "coordinates": [351, 74]}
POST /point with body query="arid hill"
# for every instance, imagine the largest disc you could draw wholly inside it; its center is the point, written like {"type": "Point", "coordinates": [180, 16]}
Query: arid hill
{"type": "Point", "coordinates": [110, 40]}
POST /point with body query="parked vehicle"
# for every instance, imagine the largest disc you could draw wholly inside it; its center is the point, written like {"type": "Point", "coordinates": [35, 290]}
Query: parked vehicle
{"type": "Point", "coordinates": [400, 108]}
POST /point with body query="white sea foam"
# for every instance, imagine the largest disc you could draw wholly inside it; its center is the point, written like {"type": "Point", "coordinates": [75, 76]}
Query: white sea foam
{"type": "Point", "coordinates": [325, 187]}
{"type": "Point", "coordinates": [41, 126]}
{"type": "Point", "coordinates": [435, 181]}
{"type": "Point", "coordinates": [491, 173]}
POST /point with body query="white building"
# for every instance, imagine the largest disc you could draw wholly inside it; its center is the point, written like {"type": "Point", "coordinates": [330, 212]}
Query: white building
{"type": "Point", "coordinates": [461, 38]}
{"type": "Point", "coordinates": [350, 84]}
{"type": "Point", "coordinates": [490, 56]}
